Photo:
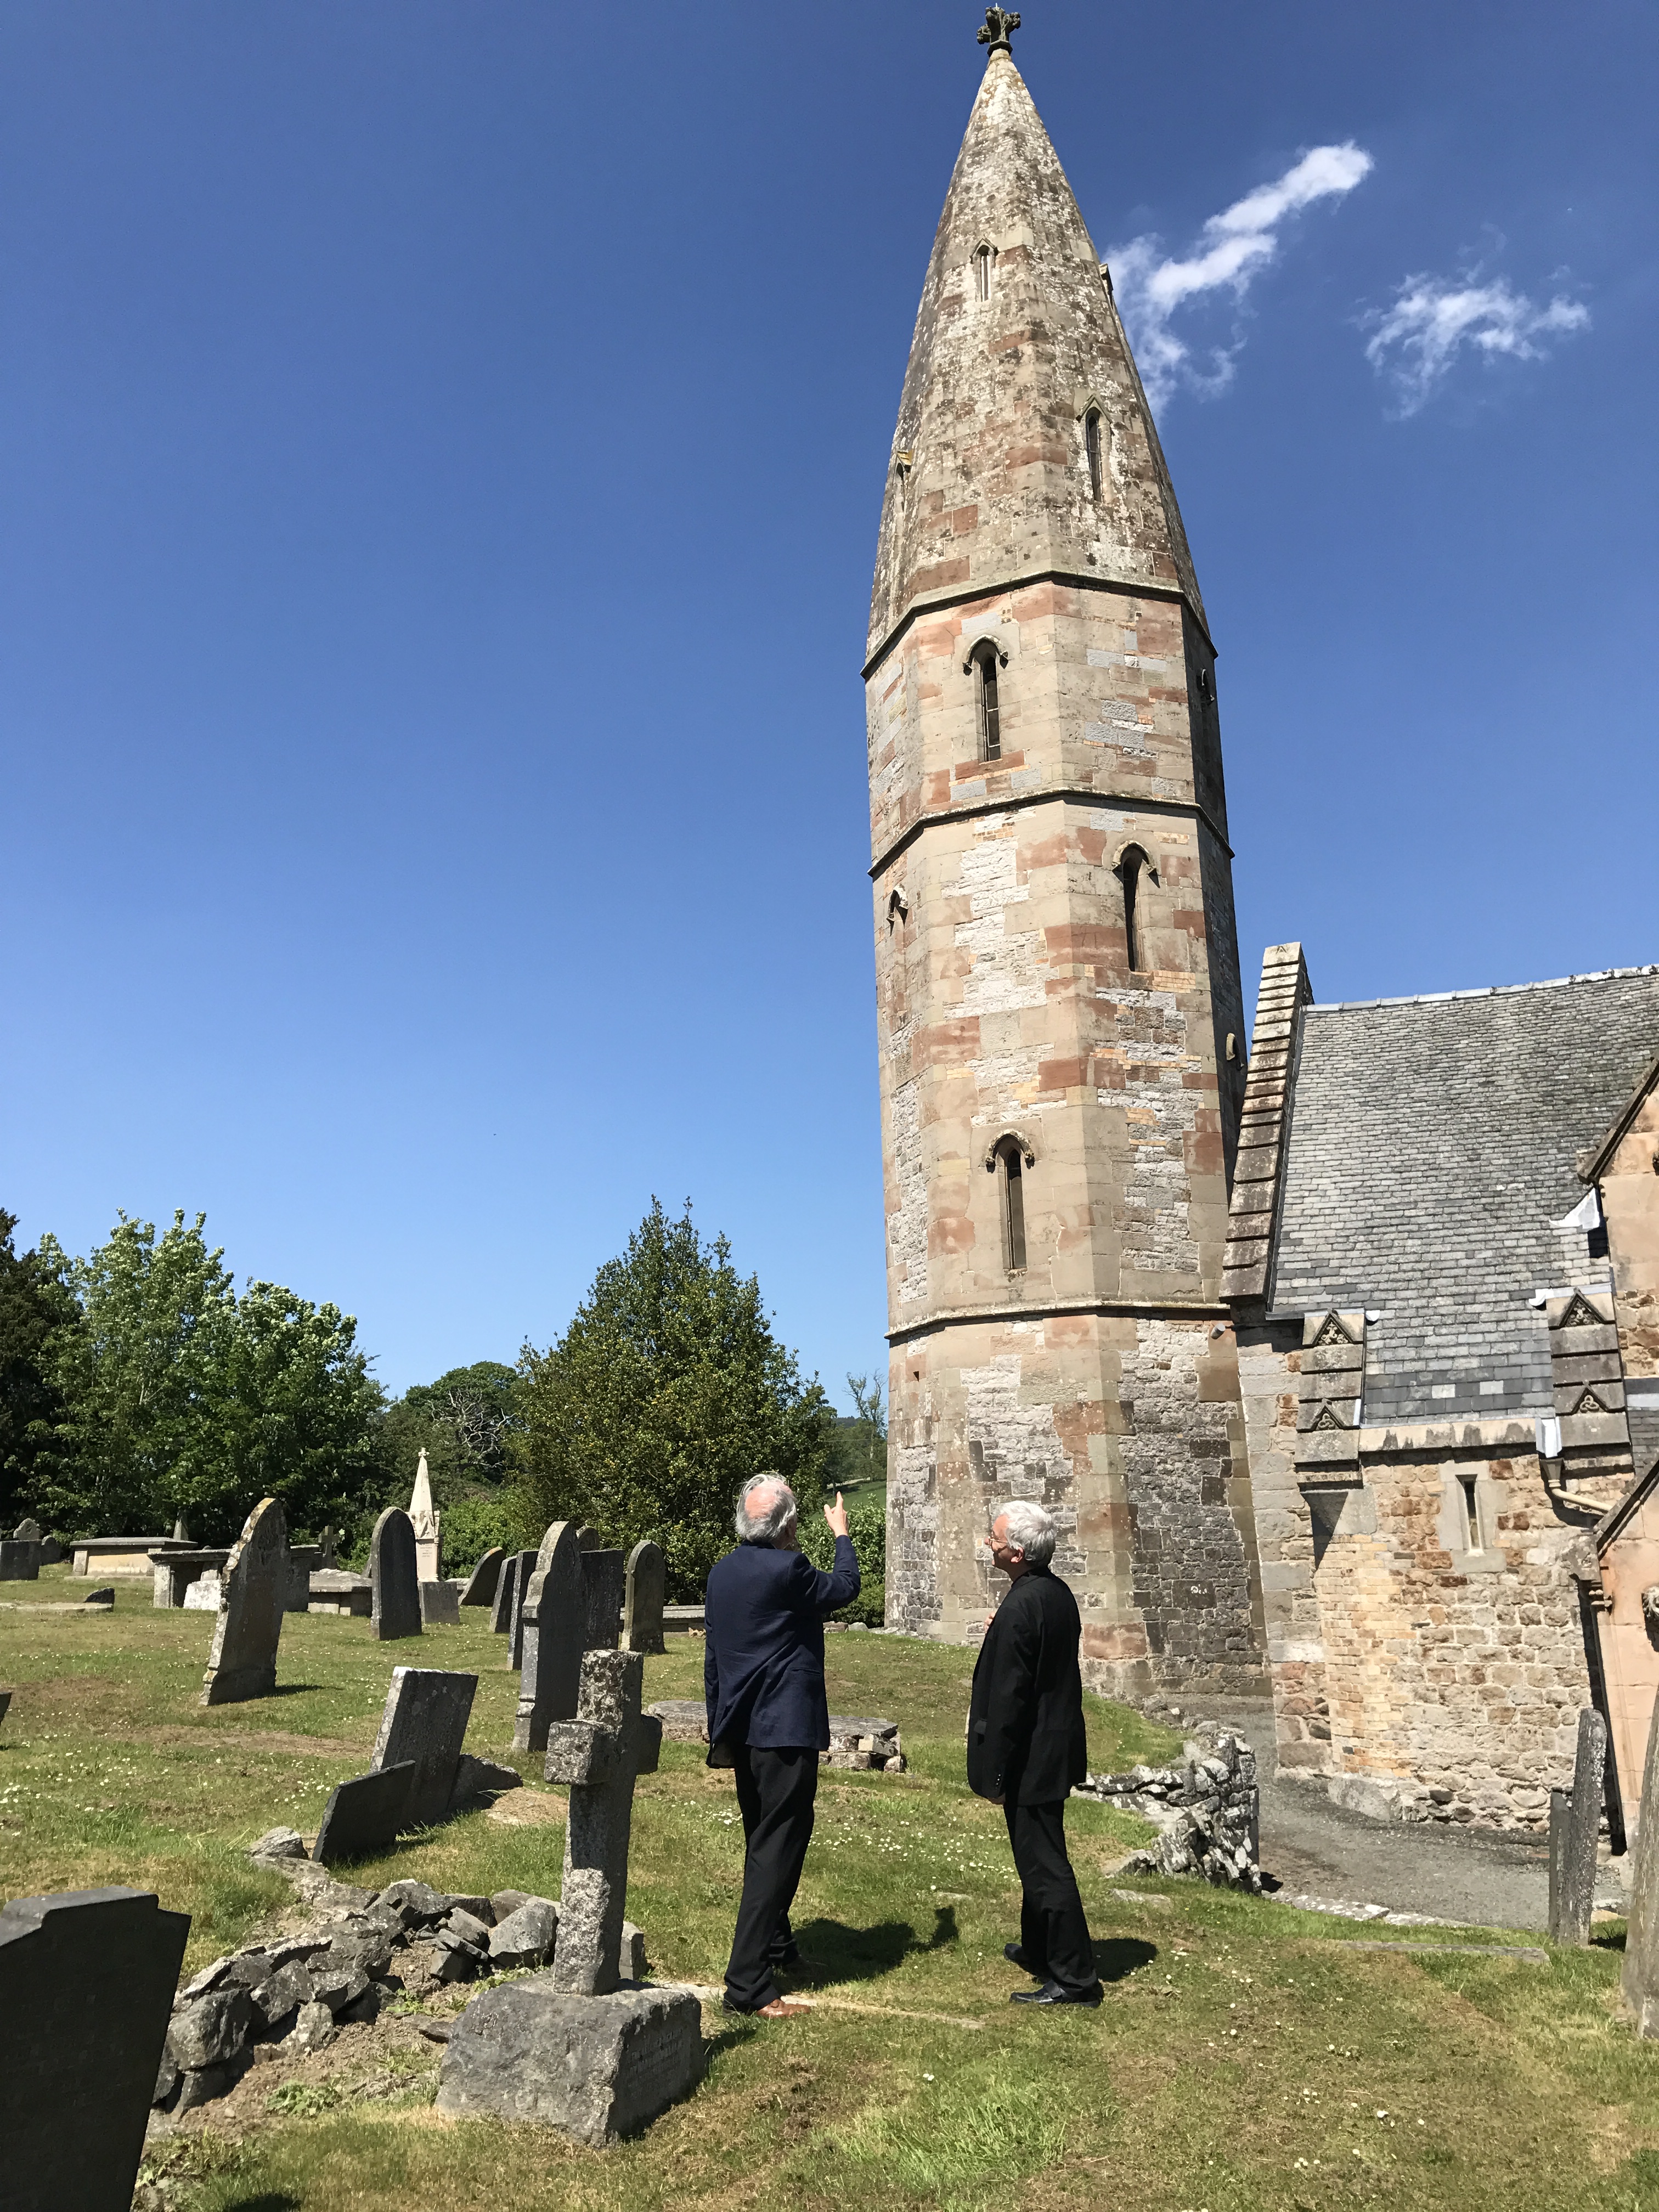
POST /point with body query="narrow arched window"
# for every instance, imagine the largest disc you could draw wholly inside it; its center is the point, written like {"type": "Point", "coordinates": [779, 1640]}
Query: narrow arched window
{"type": "Point", "coordinates": [1092, 443]}
{"type": "Point", "coordinates": [984, 256]}
{"type": "Point", "coordinates": [1133, 869]}
{"type": "Point", "coordinates": [1011, 1175]}
{"type": "Point", "coordinates": [990, 711]}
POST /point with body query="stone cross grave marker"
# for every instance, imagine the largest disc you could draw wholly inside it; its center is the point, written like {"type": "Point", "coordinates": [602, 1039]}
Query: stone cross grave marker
{"type": "Point", "coordinates": [648, 1580]}
{"type": "Point", "coordinates": [604, 1577]}
{"type": "Point", "coordinates": [87, 1980]}
{"type": "Point", "coordinates": [252, 1598]}
{"type": "Point", "coordinates": [552, 1612]}
{"type": "Point", "coordinates": [1639, 1980]}
{"type": "Point", "coordinates": [481, 1583]}
{"type": "Point", "coordinates": [1575, 1826]}
{"type": "Point", "coordinates": [392, 1571]}
{"type": "Point", "coordinates": [425, 1720]}
{"type": "Point", "coordinates": [599, 1754]}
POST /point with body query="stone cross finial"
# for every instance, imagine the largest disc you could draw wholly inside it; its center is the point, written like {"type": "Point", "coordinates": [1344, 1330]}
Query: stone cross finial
{"type": "Point", "coordinates": [599, 1754]}
{"type": "Point", "coordinates": [994, 31]}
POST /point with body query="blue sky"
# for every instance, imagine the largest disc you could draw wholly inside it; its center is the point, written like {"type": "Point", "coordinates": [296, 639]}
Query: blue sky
{"type": "Point", "coordinates": [440, 452]}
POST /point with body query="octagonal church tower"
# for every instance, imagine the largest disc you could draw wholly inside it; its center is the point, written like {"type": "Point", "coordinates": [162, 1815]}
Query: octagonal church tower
{"type": "Point", "coordinates": [1060, 1021]}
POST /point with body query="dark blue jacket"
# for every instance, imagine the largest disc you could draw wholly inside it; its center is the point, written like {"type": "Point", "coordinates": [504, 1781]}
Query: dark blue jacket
{"type": "Point", "coordinates": [762, 1667]}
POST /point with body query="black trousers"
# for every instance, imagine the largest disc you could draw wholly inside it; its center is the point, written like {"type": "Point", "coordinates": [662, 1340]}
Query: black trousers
{"type": "Point", "coordinates": [1053, 1932]}
{"type": "Point", "coordinates": [776, 1794]}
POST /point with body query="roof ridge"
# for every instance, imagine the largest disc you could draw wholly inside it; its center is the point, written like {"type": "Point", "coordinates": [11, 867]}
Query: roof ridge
{"type": "Point", "coordinates": [1482, 990]}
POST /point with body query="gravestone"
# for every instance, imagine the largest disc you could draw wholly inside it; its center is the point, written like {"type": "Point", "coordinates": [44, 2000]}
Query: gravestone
{"type": "Point", "coordinates": [27, 1532]}
{"type": "Point", "coordinates": [553, 1614]}
{"type": "Point", "coordinates": [252, 1595]}
{"type": "Point", "coordinates": [595, 2067]}
{"type": "Point", "coordinates": [481, 1583]}
{"type": "Point", "coordinates": [5, 1703]}
{"type": "Point", "coordinates": [520, 1591]}
{"type": "Point", "coordinates": [501, 1621]}
{"type": "Point", "coordinates": [642, 1603]}
{"type": "Point", "coordinates": [363, 1815]}
{"type": "Point", "coordinates": [1575, 1826]}
{"type": "Point", "coordinates": [424, 1726]}
{"type": "Point", "coordinates": [20, 1560]}
{"type": "Point", "coordinates": [1639, 1980]}
{"type": "Point", "coordinates": [599, 1754]}
{"type": "Point", "coordinates": [395, 1609]}
{"type": "Point", "coordinates": [87, 1980]}
{"type": "Point", "coordinates": [424, 1520]}
{"type": "Point", "coordinates": [603, 1577]}
{"type": "Point", "coordinates": [441, 1605]}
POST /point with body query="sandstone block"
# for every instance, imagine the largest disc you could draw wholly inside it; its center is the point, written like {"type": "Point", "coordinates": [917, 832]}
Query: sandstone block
{"type": "Point", "coordinates": [597, 2068]}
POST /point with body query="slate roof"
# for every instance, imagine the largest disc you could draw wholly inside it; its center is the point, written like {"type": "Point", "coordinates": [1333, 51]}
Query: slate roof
{"type": "Point", "coordinates": [1431, 1151]}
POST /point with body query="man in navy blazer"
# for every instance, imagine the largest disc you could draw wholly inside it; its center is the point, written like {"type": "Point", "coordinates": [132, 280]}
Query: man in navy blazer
{"type": "Point", "coordinates": [768, 1716]}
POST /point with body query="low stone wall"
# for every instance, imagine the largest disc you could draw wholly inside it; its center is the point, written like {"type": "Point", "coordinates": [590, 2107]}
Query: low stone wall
{"type": "Point", "coordinates": [1207, 1810]}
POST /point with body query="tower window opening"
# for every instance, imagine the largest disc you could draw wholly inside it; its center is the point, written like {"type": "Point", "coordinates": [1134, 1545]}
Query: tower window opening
{"type": "Point", "coordinates": [1091, 441]}
{"type": "Point", "coordinates": [1471, 1512]}
{"type": "Point", "coordinates": [1131, 868]}
{"type": "Point", "coordinates": [984, 256]}
{"type": "Point", "coordinates": [990, 712]}
{"type": "Point", "coordinates": [1012, 1180]}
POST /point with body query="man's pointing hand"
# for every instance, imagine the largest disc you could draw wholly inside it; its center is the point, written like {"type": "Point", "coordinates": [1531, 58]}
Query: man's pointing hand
{"type": "Point", "coordinates": [835, 1515]}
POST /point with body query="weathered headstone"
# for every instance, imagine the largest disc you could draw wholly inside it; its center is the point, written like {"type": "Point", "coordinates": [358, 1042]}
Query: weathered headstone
{"type": "Point", "coordinates": [1639, 1980]}
{"type": "Point", "coordinates": [20, 1560]}
{"type": "Point", "coordinates": [363, 1815]}
{"type": "Point", "coordinates": [481, 1583]}
{"type": "Point", "coordinates": [392, 1572]}
{"type": "Point", "coordinates": [424, 1519]}
{"type": "Point", "coordinates": [501, 1621]}
{"type": "Point", "coordinates": [553, 1614]}
{"type": "Point", "coordinates": [520, 1591]}
{"type": "Point", "coordinates": [441, 1605]}
{"type": "Point", "coordinates": [424, 1725]}
{"type": "Point", "coordinates": [252, 1593]}
{"type": "Point", "coordinates": [596, 2068]}
{"type": "Point", "coordinates": [599, 1754]}
{"type": "Point", "coordinates": [647, 1575]}
{"type": "Point", "coordinates": [87, 1980]}
{"type": "Point", "coordinates": [603, 1575]}
{"type": "Point", "coordinates": [1575, 1826]}
{"type": "Point", "coordinates": [27, 1532]}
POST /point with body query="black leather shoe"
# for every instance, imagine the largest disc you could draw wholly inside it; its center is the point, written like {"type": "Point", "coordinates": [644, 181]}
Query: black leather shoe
{"type": "Point", "coordinates": [1052, 1994]}
{"type": "Point", "coordinates": [1015, 1957]}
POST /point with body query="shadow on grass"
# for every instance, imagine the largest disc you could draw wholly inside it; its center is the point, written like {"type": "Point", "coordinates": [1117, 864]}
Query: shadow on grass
{"type": "Point", "coordinates": [268, 2200]}
{"type": "Point", "coordinates": [863, 1954]}
{"type": "Point", "coordinates": [1119, 1956]}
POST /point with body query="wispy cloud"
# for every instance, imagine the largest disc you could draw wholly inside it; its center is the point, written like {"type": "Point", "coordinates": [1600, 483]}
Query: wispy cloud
{"type": "Point", "coordinates": [1232, 250]}
{"type": "Point", "coordinates": [1415, 342]}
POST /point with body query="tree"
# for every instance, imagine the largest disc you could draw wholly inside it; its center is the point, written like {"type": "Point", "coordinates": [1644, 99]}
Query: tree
{"type": "Point", "coordinates": [864, 1437]}
{"type": "Point", "coordinates": [175, 1397]}
{"type": "Point", "coordinates": [34, 1301]}
{"type": "Point", "coordinates": [667, 1390]}
{"type": "Point", "coordinates": [463, 1422]}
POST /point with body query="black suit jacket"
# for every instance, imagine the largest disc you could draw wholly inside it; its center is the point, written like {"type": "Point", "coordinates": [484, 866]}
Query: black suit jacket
{"type": "Point", "coordinates": [762, 1653]}
{"type": "Point", "coordinates": [1026, 1741]}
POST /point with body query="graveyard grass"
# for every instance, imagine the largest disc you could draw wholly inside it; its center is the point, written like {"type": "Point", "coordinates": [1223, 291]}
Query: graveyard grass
{"type": "Point", "coordinates": [1246, 2058]}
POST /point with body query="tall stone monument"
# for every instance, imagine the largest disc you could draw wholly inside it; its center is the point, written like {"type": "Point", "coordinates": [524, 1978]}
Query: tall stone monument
{"type": "Point", "coordinates": [392, 1572]}
{"type": "Point", "coordinates": [252, 1599]}
{"type": "Point", "coordinates": [599, 1754]}
{"type": "Point", "coordinates": [553, 1616]}
{"type": "Point", "coordinates": [642, 1604]}
{"type": "Point", "coordinates": [87, 1980]}
{"type": "Point", "coordinates": [424, 1519]}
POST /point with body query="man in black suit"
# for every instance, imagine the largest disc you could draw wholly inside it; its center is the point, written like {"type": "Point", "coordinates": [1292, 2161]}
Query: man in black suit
{"type": "Point", "coordinates": [768, 1716]}
{"type": "Point", "coordinates": [1027, 1748]}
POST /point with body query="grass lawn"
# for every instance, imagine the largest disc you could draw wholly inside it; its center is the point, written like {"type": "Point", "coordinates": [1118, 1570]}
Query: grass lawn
{"type": "Point", "coordinates": [1246, 2057]}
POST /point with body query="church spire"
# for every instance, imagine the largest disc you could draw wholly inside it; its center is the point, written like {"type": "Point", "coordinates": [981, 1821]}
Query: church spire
{"type": "Point", "coordinates": [997, 470]}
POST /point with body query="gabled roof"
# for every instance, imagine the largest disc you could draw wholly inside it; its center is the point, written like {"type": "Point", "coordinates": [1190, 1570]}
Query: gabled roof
{"type": "Point", "coordinates": [1596, 1166]}
{"type": "Point", "coordinates": [1430, 1157]}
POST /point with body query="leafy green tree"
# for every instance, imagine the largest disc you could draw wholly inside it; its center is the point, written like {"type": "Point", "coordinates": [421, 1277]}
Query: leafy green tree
{"type": "Point", "coordinates": [867, 1527]}
{"type": "Point", "coordinates": [177, 1398]}
{"type": "Point", "coordinates": [463, 1422]}
{"type": "Point", "coordinates": [34, 1302]}
{"type": "Point", "coordinates": [858, 1448]}
{"type": "Point", "coordinates": [667, 1390]}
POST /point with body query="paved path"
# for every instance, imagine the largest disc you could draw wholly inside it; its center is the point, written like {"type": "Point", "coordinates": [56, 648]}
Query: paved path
{"type": "Point", "coordinates": [1455, 1873]}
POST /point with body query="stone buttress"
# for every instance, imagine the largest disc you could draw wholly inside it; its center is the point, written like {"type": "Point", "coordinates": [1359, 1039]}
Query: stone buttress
{"type": "Point", "coordinates": [1060, 1011]}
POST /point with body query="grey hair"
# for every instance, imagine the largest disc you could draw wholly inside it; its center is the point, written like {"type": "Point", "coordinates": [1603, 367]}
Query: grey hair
{"type": "Point", "coordinates": [777, 1520]}
{"type": "Point", "coordinates": [1030, 1529]}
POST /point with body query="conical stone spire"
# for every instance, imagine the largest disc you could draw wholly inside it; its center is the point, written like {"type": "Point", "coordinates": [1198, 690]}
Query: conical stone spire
{"type": "Point", "coordinates": [989, 478]}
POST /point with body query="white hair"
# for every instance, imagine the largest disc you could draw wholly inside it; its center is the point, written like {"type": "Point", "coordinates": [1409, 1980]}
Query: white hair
{"type": "Point", "coordinates": [776, 1515]}
{"type": "Point", "coordinates": [1030, 1529]}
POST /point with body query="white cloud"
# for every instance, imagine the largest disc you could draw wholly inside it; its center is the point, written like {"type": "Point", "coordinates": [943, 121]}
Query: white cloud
{"type": "Point", "coordinates": [1416, 341]}
{"type": "Point", "coordinates": [1232, 250]}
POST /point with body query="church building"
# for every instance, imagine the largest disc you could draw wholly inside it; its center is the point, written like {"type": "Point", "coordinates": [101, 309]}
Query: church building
{"type": "Point", "coordinates": [1338, 1367]}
